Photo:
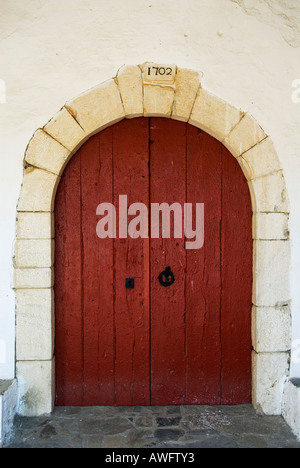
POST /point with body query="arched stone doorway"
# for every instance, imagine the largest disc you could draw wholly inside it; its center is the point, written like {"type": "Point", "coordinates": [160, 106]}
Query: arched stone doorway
{"type": "Point", "coordinates": [164, 91]}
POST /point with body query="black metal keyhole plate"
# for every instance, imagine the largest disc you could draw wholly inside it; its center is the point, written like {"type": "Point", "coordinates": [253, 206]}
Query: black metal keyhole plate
{"type": "Point", "coordinates": [129, 283]}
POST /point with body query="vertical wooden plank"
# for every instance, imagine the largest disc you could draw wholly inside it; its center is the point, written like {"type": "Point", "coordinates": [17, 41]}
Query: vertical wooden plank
{"type": "Point", "coordinates": [236, 265]}
{"type": "Point", "coordinates": [97, 269]}
{"type": "Point", "coordinates": [131, 178]}
{"type": "Point", "coordinates": [68, 333]}
{"type": "Point", "coordinates": [203, 278]}
{"type": "Point", "coordinates": [167, 185]}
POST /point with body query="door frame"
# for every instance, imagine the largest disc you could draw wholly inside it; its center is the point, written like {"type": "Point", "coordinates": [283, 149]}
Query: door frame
{"type": "Point", "coordinates": [137, 91]}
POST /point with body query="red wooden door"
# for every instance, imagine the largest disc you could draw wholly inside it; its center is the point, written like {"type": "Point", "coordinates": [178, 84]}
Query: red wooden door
{"type": "Point", "coordinates": [188, 343]}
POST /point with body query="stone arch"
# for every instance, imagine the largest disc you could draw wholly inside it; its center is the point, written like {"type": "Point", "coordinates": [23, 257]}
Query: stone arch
{"type": "Point", "coordinates": [132, 93]}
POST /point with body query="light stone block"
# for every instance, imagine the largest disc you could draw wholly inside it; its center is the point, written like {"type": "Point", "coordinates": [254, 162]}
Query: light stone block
{"type": "Point", "coordinates": [35, 225]}
{"type": "Point", "coordinates": [271, 329]}
{"type": "Point", "coordinates": [38, 190]}
{"type": "Point", "coordinates": [64, 129]}
{"type": "Point", "coordinates": [270, 226]}
{"type": "Point", "coordinates": [260, 160]}
{"type": "Point", "coordinates": [246, 134]}
{"type": "Point", "coordinates": [36, 387]}
{"type": "Point", "coordinates": [46, 153]}
{"type": "Point", "coordinates": [213, 115]}
{"type": "Point", "coordinates": [35, 253]}
{"type": "Point", "coordinates": [130, 84]}
{"type": "Point", "coordinates": [98, 108]}
{"type": "Point", "coordinates": [271, 271]}
{"type": "Point", "coordinates": [157, 101]}
{"type": "Point", "coordinates": [158, 90]}
{"type": "Point", "coordinates": [269, 194]}
{"type": "Point", "coordinates": [34, 324]}
{"type": "Point", "coordinates": [159, 74]}
{"type": "Point", "coordinates": [269, 373]}
{"type": "Point", "coordinates": [32, 278]}
{"type": "Point", "coordinates": [187, 84]}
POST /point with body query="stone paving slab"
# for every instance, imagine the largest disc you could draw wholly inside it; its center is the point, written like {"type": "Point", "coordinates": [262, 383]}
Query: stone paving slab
{"type": "Point", "coordinates": [153, 427]}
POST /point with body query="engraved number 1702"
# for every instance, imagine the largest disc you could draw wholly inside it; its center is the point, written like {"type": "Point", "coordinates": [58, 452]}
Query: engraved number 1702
{"type": "Point", "coordinates": [160, 71]}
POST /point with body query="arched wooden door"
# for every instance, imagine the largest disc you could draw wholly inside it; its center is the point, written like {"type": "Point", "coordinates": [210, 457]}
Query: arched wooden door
{"type": "Point", "coordinates": [189, 343]}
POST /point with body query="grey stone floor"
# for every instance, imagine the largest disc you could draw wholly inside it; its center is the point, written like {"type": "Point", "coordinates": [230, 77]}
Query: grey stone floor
{"type": "Point", "coordinates": [153, 427]}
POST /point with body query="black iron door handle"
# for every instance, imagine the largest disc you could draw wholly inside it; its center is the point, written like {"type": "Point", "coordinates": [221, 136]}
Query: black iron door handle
{"type": "Point", "coordinates": [166, 278]}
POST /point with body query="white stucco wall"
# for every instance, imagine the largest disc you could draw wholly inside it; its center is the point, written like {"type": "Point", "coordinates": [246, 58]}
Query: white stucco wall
{"type": "Point", "coordinates": [52, 50]}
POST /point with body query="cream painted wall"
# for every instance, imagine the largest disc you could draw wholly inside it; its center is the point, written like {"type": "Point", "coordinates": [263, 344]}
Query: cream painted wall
{"type": "Point", "coordinates": [52, 50]}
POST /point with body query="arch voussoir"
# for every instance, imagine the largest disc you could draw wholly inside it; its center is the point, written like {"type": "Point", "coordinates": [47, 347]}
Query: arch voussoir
{"type": "Point", "coordinates": [245, 135]}
{"type": "Point", "coordinates": [213, 115]}
{"type": "Point", "coordinates": [65, 130]}
{"type": "Point", "coordinates": [98, 108]}
{"type": "Point", "coordinates": [44, 152]}
{"type": "Point", "coordinates": [260, 160]}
